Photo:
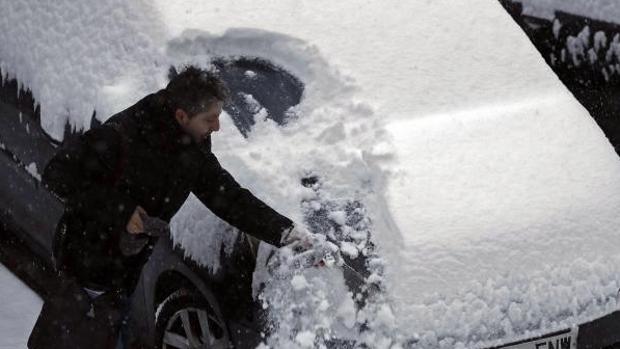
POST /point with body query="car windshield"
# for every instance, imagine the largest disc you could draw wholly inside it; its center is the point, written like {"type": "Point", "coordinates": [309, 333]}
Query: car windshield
{"type": "Point", "coordinates": [259, 90]}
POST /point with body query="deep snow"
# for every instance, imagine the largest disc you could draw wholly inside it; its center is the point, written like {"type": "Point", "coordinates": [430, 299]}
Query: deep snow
{"type": "Point", "coordinates": [489, 191]}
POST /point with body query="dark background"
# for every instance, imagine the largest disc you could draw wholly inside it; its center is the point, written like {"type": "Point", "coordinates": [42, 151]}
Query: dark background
{"type": "Point", "coordinates": [593, 74]}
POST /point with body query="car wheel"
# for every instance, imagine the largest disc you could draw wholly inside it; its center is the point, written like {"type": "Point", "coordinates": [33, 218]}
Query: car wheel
{"type": "Point", "coordinates": [185, 319]}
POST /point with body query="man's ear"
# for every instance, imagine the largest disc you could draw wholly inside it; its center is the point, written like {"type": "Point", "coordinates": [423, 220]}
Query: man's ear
{"type": "Point", "coordinates": [181, 116]}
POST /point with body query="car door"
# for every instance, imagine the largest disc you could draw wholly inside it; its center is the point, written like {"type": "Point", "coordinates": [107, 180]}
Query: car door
{"type": "Point", "coordinates": [26, 207]}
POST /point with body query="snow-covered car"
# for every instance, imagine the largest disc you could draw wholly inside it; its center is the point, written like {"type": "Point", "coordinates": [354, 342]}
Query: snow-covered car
{"type": "Point", "coordinates": [474, 193]}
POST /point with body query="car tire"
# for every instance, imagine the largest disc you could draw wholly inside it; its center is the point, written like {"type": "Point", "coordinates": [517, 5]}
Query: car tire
{"type": "Point", "coordinates": [185, 319]}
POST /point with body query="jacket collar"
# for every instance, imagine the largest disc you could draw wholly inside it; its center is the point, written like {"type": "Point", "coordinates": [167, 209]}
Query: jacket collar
{"type": "Point", "coordinates": [157, 125]}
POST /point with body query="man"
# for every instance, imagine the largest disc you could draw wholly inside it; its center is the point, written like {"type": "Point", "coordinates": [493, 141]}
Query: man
{"type": "Point", "coordinates": [141, 164]}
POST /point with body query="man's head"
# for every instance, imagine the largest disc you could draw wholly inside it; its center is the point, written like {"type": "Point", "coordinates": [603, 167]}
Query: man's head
{"type": "Point", "coordinates": [197, 98]}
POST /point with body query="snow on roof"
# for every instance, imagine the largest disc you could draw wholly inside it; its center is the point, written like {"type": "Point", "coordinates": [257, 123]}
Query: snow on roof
{"type": "Point", "coordinates": [492, 192]}
{"type": "Point", "coordinates": [81, 57]}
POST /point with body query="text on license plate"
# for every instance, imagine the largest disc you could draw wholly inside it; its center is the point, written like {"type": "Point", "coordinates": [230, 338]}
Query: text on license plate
{"type": "Point", "coordinates": [566, 340]}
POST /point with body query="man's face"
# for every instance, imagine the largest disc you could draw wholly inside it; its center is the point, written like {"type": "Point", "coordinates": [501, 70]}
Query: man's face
{"type": "Point", "coordinates": [201, 125]}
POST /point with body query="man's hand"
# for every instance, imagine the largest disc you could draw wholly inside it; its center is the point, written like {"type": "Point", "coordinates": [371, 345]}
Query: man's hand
{"type": "Point", "coordinates": [135, 224]}
{"type": "Point", "coordinates": [298, 238]}
{"type": "Point", "coordinates": [305, 249]}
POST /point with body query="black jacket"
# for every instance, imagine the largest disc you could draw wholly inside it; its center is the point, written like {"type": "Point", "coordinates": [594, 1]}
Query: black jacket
{"type": "Point", "coordinates": [141, 157]}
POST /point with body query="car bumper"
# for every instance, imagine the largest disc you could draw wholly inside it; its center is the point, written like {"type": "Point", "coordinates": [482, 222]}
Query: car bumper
{"type": "Point", "coordinates": [601, 333]}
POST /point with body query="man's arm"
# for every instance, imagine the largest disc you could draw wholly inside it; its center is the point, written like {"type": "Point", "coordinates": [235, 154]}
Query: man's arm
{"type": "Point", "coordinates": [82, 174]}
{"type": "Point", "coordinates": [219, 191]}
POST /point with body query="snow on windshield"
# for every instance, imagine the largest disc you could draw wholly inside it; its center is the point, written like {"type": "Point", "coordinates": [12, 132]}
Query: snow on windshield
{"type": "Point", "coordinates": [415, 111]}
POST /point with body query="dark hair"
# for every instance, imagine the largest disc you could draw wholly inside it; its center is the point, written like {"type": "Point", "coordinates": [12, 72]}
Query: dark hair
{"type": "Point", "coordinates": [194, 89]}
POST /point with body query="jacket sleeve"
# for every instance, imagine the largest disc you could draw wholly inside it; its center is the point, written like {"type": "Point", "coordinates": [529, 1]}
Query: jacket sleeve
{"type": "Point", "coordinates": [82, 174]}
{"type": "Point", "coordinates": [219, 191]}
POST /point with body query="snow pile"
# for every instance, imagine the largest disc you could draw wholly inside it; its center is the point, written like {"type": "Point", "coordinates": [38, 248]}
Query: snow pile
{"type": "Point", "coordinates": [313, 308]}
{"type": "Point", "coordinates": [523, 306]}
{"type": "Point", "coordinates": [323, 299]}
{"type": "Point", "coordinates": [489, 219]}
{"type": "Point", "coordinates": [81, 57]}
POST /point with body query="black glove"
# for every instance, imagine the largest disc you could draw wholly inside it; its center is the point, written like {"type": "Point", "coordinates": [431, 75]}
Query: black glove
{"type": "Point", "coordinates": [132, 244]}
{"type": "Point", "coordinates": [154, 226]}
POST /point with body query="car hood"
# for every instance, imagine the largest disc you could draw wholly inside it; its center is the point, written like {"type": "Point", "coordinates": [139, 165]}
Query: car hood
{"type": "Point", "coordinates": [505, 209]}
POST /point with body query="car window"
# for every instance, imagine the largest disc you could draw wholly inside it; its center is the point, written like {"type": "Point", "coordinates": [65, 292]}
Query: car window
{"type": "Point", "coordinates": [258, 87]}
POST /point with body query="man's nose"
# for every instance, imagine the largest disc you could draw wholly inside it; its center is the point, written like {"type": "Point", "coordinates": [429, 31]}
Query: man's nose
{"type": "Point", "coordinates": [216, 126]}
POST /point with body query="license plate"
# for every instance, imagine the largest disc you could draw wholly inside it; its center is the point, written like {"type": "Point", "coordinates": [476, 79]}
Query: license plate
{"type": "Point", "coordinates": [563, 340]}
